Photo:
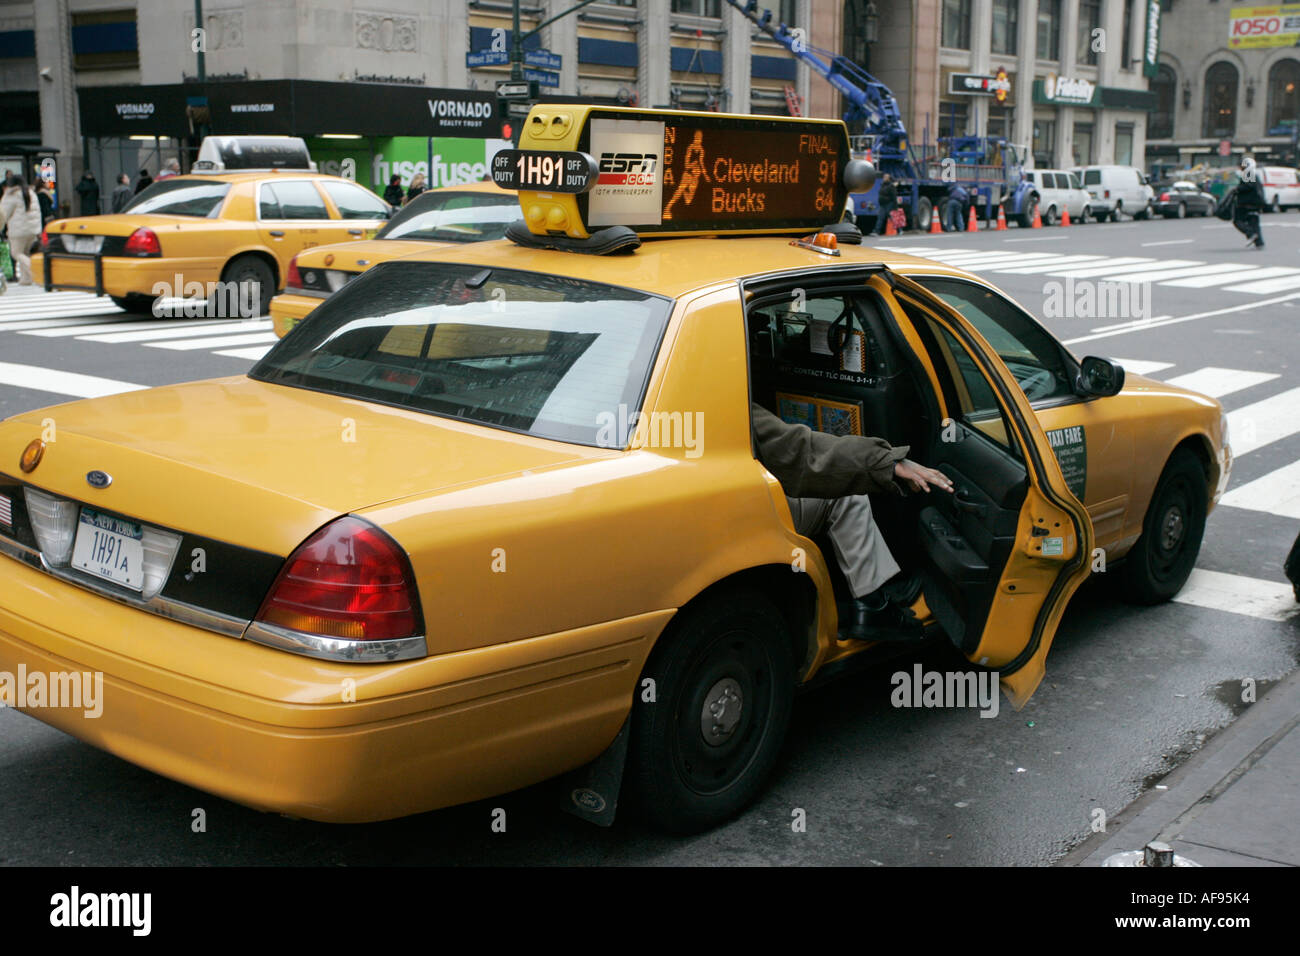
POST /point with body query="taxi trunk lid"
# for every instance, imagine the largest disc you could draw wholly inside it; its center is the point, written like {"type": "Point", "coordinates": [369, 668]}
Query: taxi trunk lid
{"type": "Point", "coordinates": [257, 465]}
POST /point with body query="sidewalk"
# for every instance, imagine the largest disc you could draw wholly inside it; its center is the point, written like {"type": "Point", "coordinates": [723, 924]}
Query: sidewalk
{"type": "Point", "coordinates": [1234, 803]}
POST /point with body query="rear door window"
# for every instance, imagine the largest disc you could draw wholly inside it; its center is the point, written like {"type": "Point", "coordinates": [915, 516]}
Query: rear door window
{"type": "Point", "coordinates": [354, 202]}
{"type": "Point", "coordinates": [291, 200]}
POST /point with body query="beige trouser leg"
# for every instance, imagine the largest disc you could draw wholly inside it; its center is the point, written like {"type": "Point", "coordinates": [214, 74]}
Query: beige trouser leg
{"type": "Point", "coordinates": [18, 246]}
{"type": "Point", "coordinates": [860, 548]}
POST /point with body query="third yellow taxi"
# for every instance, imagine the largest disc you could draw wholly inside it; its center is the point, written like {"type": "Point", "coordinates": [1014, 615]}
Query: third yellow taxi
{"type": "Point", "coordinates": [250, 206]}
{"type": "Point", "coordinates": [495, 514]}
{"type": "Point", "coordinates": [469, 212]}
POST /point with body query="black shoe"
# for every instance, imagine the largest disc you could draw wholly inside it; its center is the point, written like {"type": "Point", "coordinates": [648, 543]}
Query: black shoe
{"type": "Point", "coordinates": [902, 589]}
{"type": "Point", "coordinates": [861, 621]}
{"type": "Point", "coordinates": [1259, 243]}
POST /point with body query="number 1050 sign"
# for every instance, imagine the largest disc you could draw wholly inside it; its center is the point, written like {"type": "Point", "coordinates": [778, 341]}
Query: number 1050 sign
{"type": "Point", "coordinates": [1264, 26]}
{"type": "Point", "coordinates": [541, 170]}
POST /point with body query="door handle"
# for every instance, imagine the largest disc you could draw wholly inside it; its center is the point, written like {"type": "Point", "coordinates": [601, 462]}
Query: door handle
{"type": "Point", "coordinates": [354, 232]}
{"type": "Point", "coordinates": [965, 503]}
{"type": "Point", "coordinates": [278, 233]}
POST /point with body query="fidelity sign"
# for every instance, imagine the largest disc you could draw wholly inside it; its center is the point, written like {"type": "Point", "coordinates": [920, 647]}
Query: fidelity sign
{"type": "Point", "coordinates": [1068, 90]}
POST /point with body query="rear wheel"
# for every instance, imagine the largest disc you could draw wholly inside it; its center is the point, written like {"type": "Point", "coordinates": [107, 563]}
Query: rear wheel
{"type": "Point", "coordinates": [255, 283]}
{"type": "Point", "coordinates": [1083, 215]}
{"type": "Point", "coordinates": [724, 684]}
{"type": "Point", "coordinates": [1049, 217]}
{"type": "Point", "coordinates": [1164, 555]}
{"type": "Point", "coordinates": [924, 213]}
{"type": "Point", "coordinates": [134, 303]}
{"type": "Point", "coordinates": [1182, 210]}
{"type": "Point", "coordinates": [1026, 218]}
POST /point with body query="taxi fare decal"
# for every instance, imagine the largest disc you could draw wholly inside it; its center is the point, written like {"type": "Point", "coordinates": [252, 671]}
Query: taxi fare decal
{"type": "Point", "coordinates": [1071, 447]}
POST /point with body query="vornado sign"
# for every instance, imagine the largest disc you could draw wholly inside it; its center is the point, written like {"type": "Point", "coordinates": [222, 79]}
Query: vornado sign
{"type": "Point", "coordinates": [1068, 90]}
{"type": "Point", "coordinates": [134, 111]}
{"type": "Point", "coordinates": [448, 112]}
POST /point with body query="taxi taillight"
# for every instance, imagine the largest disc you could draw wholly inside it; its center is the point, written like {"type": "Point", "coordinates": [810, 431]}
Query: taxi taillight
{"type": "Point", "coordinates": [293, 278]}
{"type": "Point", "coordinates": [143, 242]}
{"type": "Point", "coordinates": [45, 241]}
{"type": "Point", "coordinates": [348, 581]}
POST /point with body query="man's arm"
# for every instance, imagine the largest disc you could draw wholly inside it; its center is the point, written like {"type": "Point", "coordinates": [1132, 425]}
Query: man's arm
{"type": "Point", "coordinates": [813, 464]}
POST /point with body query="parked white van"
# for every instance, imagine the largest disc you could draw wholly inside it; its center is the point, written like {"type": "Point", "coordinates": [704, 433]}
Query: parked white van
{"type": "Point", "coordinates": [1281, 188]}
{"type": "Point", "coordinates": [1117, 190]}
{"type": "Point", "coordinates": [1056, 191]}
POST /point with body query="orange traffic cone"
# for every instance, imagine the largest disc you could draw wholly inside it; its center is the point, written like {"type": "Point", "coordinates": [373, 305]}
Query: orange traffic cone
{"type": "Point", "coordinates": [889, 227]}
{"type": "Point", "coordinates": [1002, 219]}
{"type": "Point", "coordinates": [934, 223]}
{"type": "Point", "coordinates": [973, 223]}
{"type": "Point", "coordinates": [1038, 219]}
{"type": "Point", "coordinates": [1065, 218]}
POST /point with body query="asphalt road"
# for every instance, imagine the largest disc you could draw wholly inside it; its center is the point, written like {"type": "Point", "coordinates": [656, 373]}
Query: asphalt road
{"type": "Point", "coordinates": [1130, 691]}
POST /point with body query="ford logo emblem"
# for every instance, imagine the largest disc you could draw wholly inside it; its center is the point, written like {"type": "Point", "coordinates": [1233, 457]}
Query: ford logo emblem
{"type": "Point", "coordinates": [98, 479]}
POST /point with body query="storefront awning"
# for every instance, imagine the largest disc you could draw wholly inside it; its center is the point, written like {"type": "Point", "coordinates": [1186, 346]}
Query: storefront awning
{"type": "Point", "coordinates": [290, 107]}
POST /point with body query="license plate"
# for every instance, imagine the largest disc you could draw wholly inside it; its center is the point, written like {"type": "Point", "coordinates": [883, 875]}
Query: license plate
{"type": "Point", "coordinates": [88, 245]}
{"type": "Point", "coordinates": [110, 548]}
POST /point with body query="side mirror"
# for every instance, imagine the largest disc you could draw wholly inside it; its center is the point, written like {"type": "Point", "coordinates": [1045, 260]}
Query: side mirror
{"type": "Point", "coordinates": [1100, 377]}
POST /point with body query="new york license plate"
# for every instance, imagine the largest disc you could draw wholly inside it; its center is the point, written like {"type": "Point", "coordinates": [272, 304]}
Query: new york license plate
{"type": "Point", "coordinates": [110, 548]}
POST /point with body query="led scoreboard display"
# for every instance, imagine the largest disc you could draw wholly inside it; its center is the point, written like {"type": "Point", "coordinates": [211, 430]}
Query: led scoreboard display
{"type": "Point", "coordinates": [580, 169]}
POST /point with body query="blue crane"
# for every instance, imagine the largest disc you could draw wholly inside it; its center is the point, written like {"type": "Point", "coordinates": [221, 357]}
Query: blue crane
{"type": "Point", "coordinates": [988, 167]}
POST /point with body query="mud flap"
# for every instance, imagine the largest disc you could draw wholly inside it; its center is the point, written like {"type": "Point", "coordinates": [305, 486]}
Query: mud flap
{"type": "Point", "coordinates": [591, 791]}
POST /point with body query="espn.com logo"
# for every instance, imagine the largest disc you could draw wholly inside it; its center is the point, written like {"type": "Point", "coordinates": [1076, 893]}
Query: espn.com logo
{"type": "Point", "coordinates": [628, 169]}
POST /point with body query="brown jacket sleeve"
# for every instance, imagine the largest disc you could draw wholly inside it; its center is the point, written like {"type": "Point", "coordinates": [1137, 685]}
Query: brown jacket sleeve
{"type": "Point", "coordinates": [813, 464]}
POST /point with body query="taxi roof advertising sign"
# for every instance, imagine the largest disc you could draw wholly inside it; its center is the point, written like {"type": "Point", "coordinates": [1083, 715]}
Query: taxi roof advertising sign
{"type": "Point", "coordinates": [665, 172]}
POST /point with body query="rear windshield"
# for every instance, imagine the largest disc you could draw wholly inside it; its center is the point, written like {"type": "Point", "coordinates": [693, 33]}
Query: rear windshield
{"type": "Point", "coordinates": [454, 217]}
{"type": "Point", "coordinates": [1092, 177]}
{"type": "Point", "coordinates": [542, 354]}
{"type": "Point", "coordinates": [181, 197]}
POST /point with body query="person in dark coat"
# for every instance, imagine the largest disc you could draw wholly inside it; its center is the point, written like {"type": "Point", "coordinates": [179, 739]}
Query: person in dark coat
{"type": "Point", "coordinates": [887, 199]}
{"type": "Point", "coordinates": [1250, 202]}
{"type": "Point", "coordinates": [393, 194]}
{"type": "Point", "coordinates": [144, 182]}
{"type": "Point", "coordinates": [827, 479]}
{"type": "Point", "coordinates": [956, 208]}
{"type": "Point", "coordinates": [88, 192]}
{"type": "Point", "coordinates": [121, 192]}
{"type": "Point", "coordinates": [417, 186]}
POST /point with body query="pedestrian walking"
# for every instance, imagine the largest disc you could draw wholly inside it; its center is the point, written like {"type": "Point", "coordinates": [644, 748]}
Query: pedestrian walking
{"type": "Point", "coordinates": [416, 187]}
{"type": "Point", "coordinates": [20, 213]}
{"type": "Point", "coordinates": [88, 193]}
{"type": "Point", "coordinates": [393, 191]}
{"type": "Point", "coordinates": [45, 196]}
{"type": "Point", "coordinates": [144, 182]}
{"type": "Point", "coordinates": [952, 214]}
{"type": "Point", "coordinates": [121, 192]}
{"type": "Point", "coordinates": [170, 168]}
{"type": "Point", "coordinates": [887, 200]}
{"type": "Point", "coordinates": [1250, 202]}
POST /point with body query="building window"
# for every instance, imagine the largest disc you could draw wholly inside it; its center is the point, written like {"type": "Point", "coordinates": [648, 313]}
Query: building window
{"type": "Point", "coordinates": [1160, 125]}
{"type": "Point", "coordinates": [789, 12]}
{"type": "Point", "coordinates": [1049, 29]}
{"type": "Point", "coordinates": [105, 40]}
{"type": "Point", "coordinates": [1082, 144]}
{"type": "Point", "coordinates": [1044, 146]}
{"type": "Point", "coordinates": [1006, 20]}
{"type": "Point", "coordinates": [956, 24]}
{"type": "Point", "coordinates": [699, 8]}
{"type": "Point", "coordinates": [1000, 122]}
{"type": "Point", "coordinates": [953, 118]}
{"type": "Point", "coordinates": [1220, 100]}
{"type": "Point", "coordinates": [1124, 144]}
{"type": "Point", "coordinates": [1089, 20]}
{"type": "Point", "coordinates": [1126, 60]}
{"type": "Point", "coordinates": [1283, 97]}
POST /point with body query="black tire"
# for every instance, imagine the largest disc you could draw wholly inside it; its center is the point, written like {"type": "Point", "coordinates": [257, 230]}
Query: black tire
{"type": "Point", "coordinates": [1182, 210]}
{"type": "Point", "coordinates": [1158, 566]}
{"type": "Point", "coordinates": [1026, 218]}
{"type": "Point", "coordinates": [134, 303]}
{"type": "Point", "coordinates": [731, 645]}
{"type": "Point", "coordinates": [924, 213]}
{"type": "Point", "coordinates": [1277, 205]}
{"type": "Point", "coordinates": [1049, 217]}
{"type": "Point", "coordinates": [1115, 213]}
{"type": "Point", "coordinates": [1083, 216]}
{"type": "Point", "coordinates": [252, 269]}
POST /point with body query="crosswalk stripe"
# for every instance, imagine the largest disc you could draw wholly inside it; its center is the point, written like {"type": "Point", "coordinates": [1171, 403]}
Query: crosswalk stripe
{"type": "Point", "coordinates": [1218, 382]}
{"type": "Point", "coordinates": [255, 353]}
{"type": "Point", "coordinates": [59, 311]}
{"type": "Point", "coordinates": [72, 320]}
{"type": "Point", "coordinates": [61, 383]}
{"type": "Point", "coordinates": [1096, 270]}
{"type": "Point", "coordinates": [1140, 367]}
{"type": "Point", "coordinates": [1049, 266]}
{"type": "Point", "coordinates": [164, 331]}
{"type": "Point", "coordinates": [959, 258]}
{"type": "Point", "coordinates": [1276, 493]}
{"type": "Point", "coordinates": [1132, 271]}
{"type": "Point", "coordinates": [1268, 285]}
{"type": "Point", "coordinates": [1264, 422]}
{"type": "Point", "coordinates": [1244, 273]}
{"type": "Point", "coordinates": [1028, 258]}
{"type": "Point", "coordinates": [1238, 594]}
{"type": "Point", "coordinates": [100, 326]}
{"type": "Point", "coordinates": [216, 342]}
{"type": "Point", "coordinates": [1176, 273]}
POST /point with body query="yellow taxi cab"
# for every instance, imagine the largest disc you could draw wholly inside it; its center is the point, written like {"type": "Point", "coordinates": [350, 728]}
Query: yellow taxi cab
{"type": "Point", "coordinates": [495, 514]}
{"type": "Point", "coordinates": [254, 204]}
{"type": "Point", "coordinates": [470, 212]}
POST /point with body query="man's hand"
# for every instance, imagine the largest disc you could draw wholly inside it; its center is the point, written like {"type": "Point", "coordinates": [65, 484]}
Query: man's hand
{"type": "Point", "coordinates": [920, 478]}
